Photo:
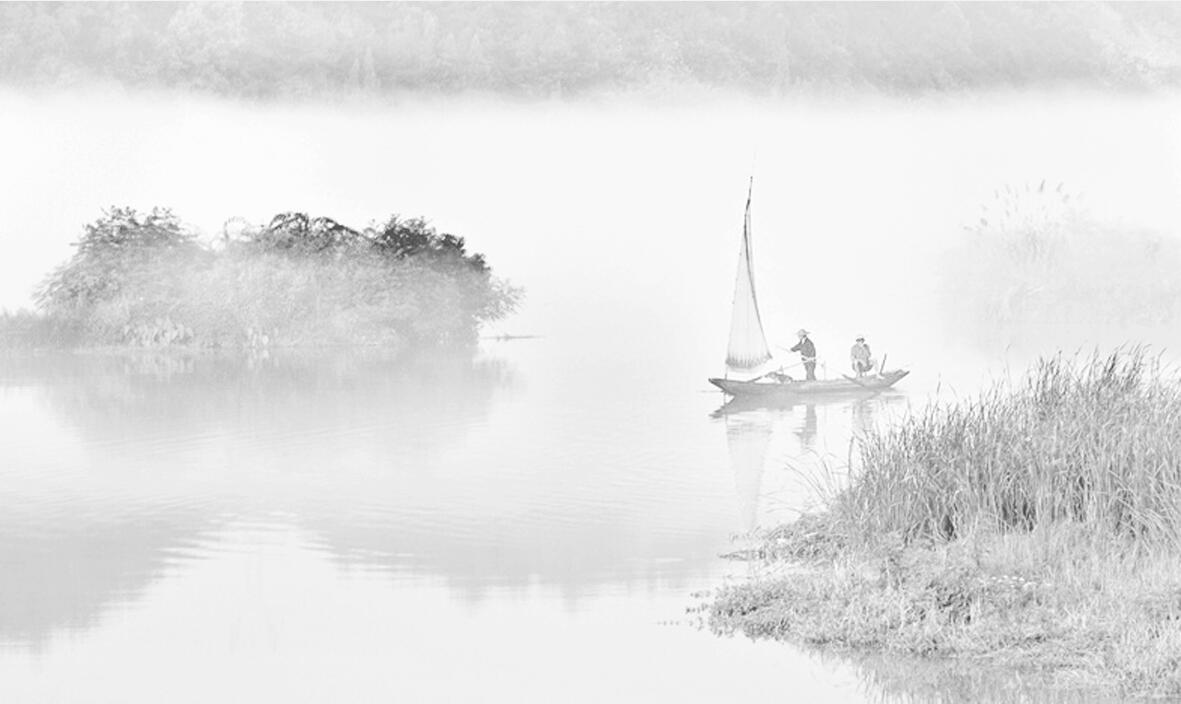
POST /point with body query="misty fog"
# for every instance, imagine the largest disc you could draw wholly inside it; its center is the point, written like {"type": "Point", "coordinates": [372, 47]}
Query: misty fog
{"type": "Point", "coordinates": [564, 197]}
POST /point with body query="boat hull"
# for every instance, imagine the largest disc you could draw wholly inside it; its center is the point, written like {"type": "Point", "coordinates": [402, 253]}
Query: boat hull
{"type": "Point", "coordinates": [820, 387]}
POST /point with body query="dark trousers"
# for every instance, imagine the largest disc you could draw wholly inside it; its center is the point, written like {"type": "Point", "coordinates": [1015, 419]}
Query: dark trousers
{"type": "Point", "coordinates": [810, 370]}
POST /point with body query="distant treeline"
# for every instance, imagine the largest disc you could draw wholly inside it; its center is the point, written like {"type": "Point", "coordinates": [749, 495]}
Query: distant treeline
{"type": "Point", "coordinates": [144, 280]}
{"type": "Point", "coordinates": [542, 49]}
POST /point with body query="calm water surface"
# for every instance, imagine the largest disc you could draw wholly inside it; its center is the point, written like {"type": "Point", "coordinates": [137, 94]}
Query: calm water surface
{"type": "Point", "coordinates": [311, 527]}
{"type": "Point", "coordinates": [300, 527]}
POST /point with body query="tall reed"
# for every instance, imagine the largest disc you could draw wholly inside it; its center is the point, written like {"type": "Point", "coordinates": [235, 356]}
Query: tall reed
{"type": "Point", "coordinates": [1092, 442]}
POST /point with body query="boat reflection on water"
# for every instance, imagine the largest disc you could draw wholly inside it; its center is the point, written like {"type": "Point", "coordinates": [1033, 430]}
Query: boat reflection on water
{"type": "Point", "coordinates": [740, 405]}
{"type": "Point", "coordinates": [807, 430]}
{"type": "Point", "coordinates": [788, 455]}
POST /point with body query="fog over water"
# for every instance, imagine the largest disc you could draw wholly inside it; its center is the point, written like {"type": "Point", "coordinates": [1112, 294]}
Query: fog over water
{"type": "Point", "coordinates": [566, 196]}
{"type": "Point", "coordinates": [301, 527]}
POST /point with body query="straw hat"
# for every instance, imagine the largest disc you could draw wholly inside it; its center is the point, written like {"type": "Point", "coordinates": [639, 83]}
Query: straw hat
{"type": "Point", "coordinates": [802, 332]}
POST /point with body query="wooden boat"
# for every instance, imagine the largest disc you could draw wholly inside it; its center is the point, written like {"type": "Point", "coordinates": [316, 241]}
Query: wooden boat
{"type": "Point", "coordinates": [873, 383]}
{"type": "Point", "coordinates": [749, 354]}
{"type": "Point", "coordinates": [744, 404]}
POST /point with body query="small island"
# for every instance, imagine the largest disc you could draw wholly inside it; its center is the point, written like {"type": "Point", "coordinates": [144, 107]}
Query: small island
{"type": "Point", "coordinates": [1037, 526]}
{"type": "Point", "coordinates": [145, 280]}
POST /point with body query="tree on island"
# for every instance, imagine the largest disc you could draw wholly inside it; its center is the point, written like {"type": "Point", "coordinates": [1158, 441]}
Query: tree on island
{"type": "Point", "coordinates": [145, 280]}
{"type": "Point", "coordinates": [112, 253]}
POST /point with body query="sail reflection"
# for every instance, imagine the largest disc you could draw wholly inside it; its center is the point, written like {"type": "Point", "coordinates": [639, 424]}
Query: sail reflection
{"type": "Point", "coordinates": [788, 455]}
{"type": "Point", "coordinates": [807, 430]}
{"type": "Point", "coordinates": [747, 437]}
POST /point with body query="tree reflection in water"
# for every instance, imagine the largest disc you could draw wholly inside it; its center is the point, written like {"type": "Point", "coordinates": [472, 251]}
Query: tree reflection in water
{"type": "Point", "coordinates": [167, 449]}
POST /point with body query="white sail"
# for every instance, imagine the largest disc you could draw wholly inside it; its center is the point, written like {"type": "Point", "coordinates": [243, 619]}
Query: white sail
{"type": "Point", "coordinates": [748, 349]}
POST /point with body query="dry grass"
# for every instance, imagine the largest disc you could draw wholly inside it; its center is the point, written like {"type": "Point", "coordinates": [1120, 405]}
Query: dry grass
{"type": "Point", "coordinates": [1048, 602]}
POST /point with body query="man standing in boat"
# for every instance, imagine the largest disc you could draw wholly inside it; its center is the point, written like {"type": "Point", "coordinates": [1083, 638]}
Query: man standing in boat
{"type": "Point", "coordinates": [861, 357]}
{"type": "Point", "coordinates": [807, 352]}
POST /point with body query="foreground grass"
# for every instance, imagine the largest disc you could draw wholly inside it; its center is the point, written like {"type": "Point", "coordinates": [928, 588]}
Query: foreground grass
{"type": "Point", "coordinates": [1036, 526]}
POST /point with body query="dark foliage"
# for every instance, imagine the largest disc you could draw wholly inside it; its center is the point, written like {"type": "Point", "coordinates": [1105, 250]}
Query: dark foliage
{"type": "Point", "coordinates": [396, 239]}
{"type": "Point", "coordinates": [399, 238]}
{"type": "Point", "coordinates": [300, 233]}
{"type": "Point", "coordinates": [143, 280]}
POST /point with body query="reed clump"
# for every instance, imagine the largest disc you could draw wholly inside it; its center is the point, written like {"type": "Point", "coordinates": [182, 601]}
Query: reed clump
{"type": "Point", "coordinates": [1095, 444]}
{"type": "Point", "coordinates": [1037, 525]}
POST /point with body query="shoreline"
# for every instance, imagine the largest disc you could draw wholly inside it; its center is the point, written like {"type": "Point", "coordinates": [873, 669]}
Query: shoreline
{"type": "Point", "coordinates": [1050, 605]}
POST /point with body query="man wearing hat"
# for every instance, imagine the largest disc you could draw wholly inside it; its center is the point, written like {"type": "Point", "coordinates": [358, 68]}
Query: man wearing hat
{"type": "Point", "coordinates": [807, 352]}
{"type": "Point", "coordinates": [860, 356]}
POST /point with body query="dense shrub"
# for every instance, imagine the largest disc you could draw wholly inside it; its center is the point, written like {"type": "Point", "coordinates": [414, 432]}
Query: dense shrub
{"type": "Point", "coordinates": [298, 280]}
{"type": "Point", "coordinates": [117, 253]}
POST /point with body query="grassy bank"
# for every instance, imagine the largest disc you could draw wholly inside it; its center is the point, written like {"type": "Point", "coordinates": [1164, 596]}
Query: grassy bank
{"type": "Point", "coordinates": [143, 280]}
{"type": "Point", "coordinates": [1036, 526]}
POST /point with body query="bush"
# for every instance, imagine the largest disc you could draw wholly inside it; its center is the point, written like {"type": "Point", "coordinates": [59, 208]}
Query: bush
{"type": "Point", "coordinates": [118, 253]}
{"type": "Point", "coordinates": [299, 280]}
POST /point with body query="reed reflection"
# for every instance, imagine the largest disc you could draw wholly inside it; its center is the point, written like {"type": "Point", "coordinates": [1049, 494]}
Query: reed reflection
{"type": "Point", "coordinates": [898, 679]}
